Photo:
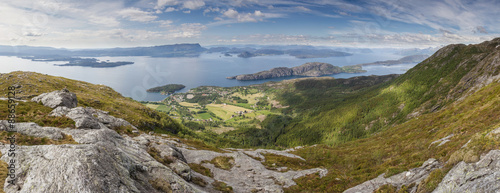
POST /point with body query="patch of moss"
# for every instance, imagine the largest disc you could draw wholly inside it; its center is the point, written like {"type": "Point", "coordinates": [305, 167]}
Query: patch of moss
{"type": "Point", "coordinates": [223, 162]}
{"type": "Point", "coordinates": [161, 185]}
{"type": "Point", "coordinates": [201, 169]}
{"type": "Point", "coordinates": [199, 181]}
{"type": "Point", "coordinates": [223, 187]}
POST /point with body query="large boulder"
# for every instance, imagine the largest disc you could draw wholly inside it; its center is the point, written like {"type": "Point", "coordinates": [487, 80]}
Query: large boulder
{"type": "Point", "coordinates": [58, 98]}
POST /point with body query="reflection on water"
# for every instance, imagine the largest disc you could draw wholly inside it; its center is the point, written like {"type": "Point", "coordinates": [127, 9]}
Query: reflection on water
{"type": "Point", "coordinates": [208, 69]}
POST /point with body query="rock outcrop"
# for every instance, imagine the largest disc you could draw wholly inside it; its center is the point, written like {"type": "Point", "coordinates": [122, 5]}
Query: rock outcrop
{"type": "Point", "coordinates": [32, 129]}
{"type": "Point", "coordinates": [308, 69]}
{"type": "Point", "coordinates": [104, 161]}
{"type": "Point", "coordinates": [413, 176]}
{"type": "Point", "coordinates": [482, 176]}
{"type": "Point", "coordinates": [58, 98]}
{"type": "Point", "coordinates": [90, 118]}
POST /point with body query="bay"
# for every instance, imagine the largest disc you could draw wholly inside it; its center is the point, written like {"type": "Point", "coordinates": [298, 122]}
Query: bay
{"type": "Point", "coordinates": [205, 70]}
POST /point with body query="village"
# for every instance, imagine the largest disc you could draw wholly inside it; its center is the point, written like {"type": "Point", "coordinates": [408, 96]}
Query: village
{"type": "Point", "coordinates": [212, 107]}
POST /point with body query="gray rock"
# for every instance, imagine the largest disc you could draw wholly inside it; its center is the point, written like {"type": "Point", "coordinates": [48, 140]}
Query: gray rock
{"type": "Point", "coordinates": [248, 174]}
{"type": "Point", "coordinates": [90, 118]}
{"type": "Point", "coordinates": [104, 161]}
{"type": "Point", "coordinates": [57, 99]}
{"type": "Point", "coordinates": [414, 175]}
{"type": "Point", "coordinates": [482, 176]}
{"type": "Point", "coordinates": [179, 164]}
{"type": "Point", "coordinates": [32, 129]}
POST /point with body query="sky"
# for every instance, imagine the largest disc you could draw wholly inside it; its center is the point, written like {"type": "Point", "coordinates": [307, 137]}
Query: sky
{"type": "Point", "coordinates": [339, 23]}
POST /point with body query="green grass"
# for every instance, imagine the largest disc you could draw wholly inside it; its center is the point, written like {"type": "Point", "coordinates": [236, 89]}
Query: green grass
{"type": "Point", "coordinates": [273, 161]}
{"type": "Point", "coordinates": [407, 145]}
{"type": "Point", "coordinates": [163, 108]}
{"type": "Point", "coordinates": [203, 116]}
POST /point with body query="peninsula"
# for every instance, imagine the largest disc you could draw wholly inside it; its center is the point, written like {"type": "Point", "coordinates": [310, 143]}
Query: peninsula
{"type": "Point", "coordinates": [308, 69]}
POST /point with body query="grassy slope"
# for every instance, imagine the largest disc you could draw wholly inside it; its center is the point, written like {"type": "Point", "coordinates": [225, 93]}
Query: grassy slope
{"type": "Point", "coordinates": [89, 95]}
{"type": "Point", "coordinates": [404, 146]}
{"type": "Point", "coordinates": [330, 115]}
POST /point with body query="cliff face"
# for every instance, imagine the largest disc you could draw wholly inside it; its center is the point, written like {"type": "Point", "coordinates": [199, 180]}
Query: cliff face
{"type": "Point", "coordinates": [308, 69]}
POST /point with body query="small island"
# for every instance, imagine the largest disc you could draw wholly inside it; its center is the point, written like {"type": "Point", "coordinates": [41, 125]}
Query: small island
{"type": "Point", "coordinates": [94, 63]}
{"type": "Point", "coordinates": [313, 69]}
{"type": "Point", "coordinates": [77, 61]}
{"type": "Point", "coordinates": [167, 89]}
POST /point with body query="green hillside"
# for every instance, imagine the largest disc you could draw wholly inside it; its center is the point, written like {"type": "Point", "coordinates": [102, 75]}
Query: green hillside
{"type": "Point", "coordinates": [89, 95]}
{"type": "Point", "coordinates": [327, 114]}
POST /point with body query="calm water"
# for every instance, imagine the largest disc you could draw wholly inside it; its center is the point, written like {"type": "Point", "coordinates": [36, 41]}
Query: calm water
{"type": "Point", "coordinates": [208, 69]}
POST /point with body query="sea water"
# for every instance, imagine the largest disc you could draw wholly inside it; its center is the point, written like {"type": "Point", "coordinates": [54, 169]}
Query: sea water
{"type": "Point", "coordinates": [206, 70]}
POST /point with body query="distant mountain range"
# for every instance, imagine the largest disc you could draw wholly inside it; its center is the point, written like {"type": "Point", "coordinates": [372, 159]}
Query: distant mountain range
{"type": "Point", "coordinates": [176, 50]}
{"type": "Point", "coordinates": [404, 60]}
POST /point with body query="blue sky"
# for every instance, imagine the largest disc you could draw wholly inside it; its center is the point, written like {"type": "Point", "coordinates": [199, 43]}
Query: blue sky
{"type": "Point", "coordinates": [355, 23]}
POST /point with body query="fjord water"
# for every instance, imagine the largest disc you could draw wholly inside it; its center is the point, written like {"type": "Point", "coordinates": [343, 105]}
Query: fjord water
{"type": "Point", "coordinates": [205, 70]}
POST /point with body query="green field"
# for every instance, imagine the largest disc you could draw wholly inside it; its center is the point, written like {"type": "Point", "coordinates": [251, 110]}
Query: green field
{"type": "Point", "coordinates": [224, 111]}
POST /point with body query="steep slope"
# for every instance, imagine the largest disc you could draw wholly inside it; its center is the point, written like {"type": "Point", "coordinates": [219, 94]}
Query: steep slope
{"type": "Point", "coordinates": [449, 100]}
{"type": "Point", "coordinates": [451, 74]}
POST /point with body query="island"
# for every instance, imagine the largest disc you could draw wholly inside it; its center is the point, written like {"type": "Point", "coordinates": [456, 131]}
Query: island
{"type": "Point", "coordinates": [404, 60]}
{"type": "Point", "coordinates": [77, 61]}
{"type": "Point", "coordinates": [313, 69]}
{"type": "Point", "coordinates": [167, 89]}
{"type": "Point", "coordinates": [94, 63]}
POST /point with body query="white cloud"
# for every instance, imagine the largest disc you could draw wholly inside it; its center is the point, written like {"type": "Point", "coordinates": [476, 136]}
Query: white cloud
{"type": "Point", "coordinates": [135, 14]}
{"type": "Point", "coordinates": [193, 4]}
{"type": "Point", "coordinates": [248, 17]}
{"type": "Point", "coordinates": [231, 13]}
{"type": "Point", "coordinates": [170, 9]}
{"type": "Point", "coordinates": [302, 8]}
{"type": "Point", "coordinates": [163, 3]}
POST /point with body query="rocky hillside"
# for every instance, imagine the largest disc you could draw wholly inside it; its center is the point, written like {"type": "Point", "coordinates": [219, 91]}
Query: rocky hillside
{"type": "Point", "coordinates": [308, 69]}
{"type": "Point", "coordinates": [98, 159]}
